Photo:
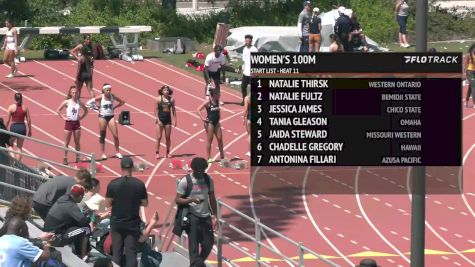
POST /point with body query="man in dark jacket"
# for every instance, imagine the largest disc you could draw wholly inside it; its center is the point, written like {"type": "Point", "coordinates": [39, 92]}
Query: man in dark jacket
{"type": "Point", "coordinates": [343, 27]}
{"type": "Point", "coordinates": [52, 190]}
{"type": "Point", "coordinates": [67, 221]}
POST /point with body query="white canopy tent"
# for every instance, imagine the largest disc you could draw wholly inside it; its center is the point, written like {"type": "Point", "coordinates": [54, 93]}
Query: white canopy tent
{"type": "Point", "coordinates": [285, 39]}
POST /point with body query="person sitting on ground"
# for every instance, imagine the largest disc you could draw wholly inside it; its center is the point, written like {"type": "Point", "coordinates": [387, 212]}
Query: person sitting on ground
{"type": "Point", "coordinates": [50, 191]}
{"type": "Point", "coordinates": [335, 45]}
{"type": "Point", "coordinates": [16, 249]}
{"type": "Point", "coordinates": [357, 38]}
{"type": "Point", "coordinates": [69, 224]}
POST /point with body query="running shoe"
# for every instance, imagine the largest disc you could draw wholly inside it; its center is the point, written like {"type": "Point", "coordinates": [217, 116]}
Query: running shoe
{"type": "Point", "coordinates": [210, 160]}
{"type": "Point", "coordinates": [9, 75]}
{"type": "Point", "coordinates": [248, 154]}
{"type": "Point", "coordinates": [118, 155]}
{"type": "Point", "coordinates": [15, 71]}
{"type": "Point", "coordinates": [104, 156]}
{"type": "Point", "coordinates": [157, 155]}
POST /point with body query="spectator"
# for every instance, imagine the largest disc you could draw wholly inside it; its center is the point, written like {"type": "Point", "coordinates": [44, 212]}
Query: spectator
{"type": "Point", "coordinates": [143, 246]}
{"type": "Point", "coordinates": [68, 223]}
{"type": "Point", "coordinates": [213, 63]}
{"type": "Point", "coordinates": [4, 137]}
{"type": "Point", "coordinates": [315, 28]}
{"type": "Point", "coordinates": [103, 262]}
{"type": "Point", "coordinates": [367, 263]}
{"type": "Point", "coordinates": [246, 58]}
{"type": "Point", "coordinates": [21, 207]}
{"type": "Point", "coordinates": [335, 45]}
{"type": "Point", "coordinates": [470, 74]}
{"type": "Point", "coordinates": [357, 38]}
{"type": "Point", "coordinates": [53, 189]}
{"type": "Point", "coordinates": [16, 249]}
{"type": "Point", "coordinates": [202, 220]}
{"type": "Point", "coordinates": [303, 24]}
{"type": "Point", "coordinates": [342, 28]}
{"type": "Point", "coordinates": [402, 13]}
{"type": "Point", "coordinates": [93, 204]}
{"type": "Point", "coordinates": [125, 195]}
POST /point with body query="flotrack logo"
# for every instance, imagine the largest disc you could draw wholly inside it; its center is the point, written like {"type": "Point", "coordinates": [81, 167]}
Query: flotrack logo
{"type": "Point", "coordinates": [431, 59]}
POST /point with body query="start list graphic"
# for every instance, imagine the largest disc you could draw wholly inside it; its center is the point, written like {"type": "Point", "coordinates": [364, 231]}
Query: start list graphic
{"type": "Point", "coordinates": [335, 112]}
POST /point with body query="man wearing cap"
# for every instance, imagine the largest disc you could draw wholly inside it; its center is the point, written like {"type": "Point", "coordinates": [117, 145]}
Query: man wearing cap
{"type": "Point", "coordinates": [343, 27]}
{"type": "Point", "coordinates": [202, 220]}
{"type": "Point", "coordinates": [68, 223]}
{"type": "Point", "coordinates": [49, 192]}
{"type": "Point", "coordinates": [246, 58]}
{"type": "Point", "coordinates": [303, 26]}
{"type": "Point", "coordinates": [213, 63]}
{"type": "Point", "coordinates": [125, 195]}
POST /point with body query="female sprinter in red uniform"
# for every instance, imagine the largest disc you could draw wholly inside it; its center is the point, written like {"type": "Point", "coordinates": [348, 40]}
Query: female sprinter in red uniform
{"type": "Point", "coordinates": [166, 116]}
{"type": "Point", "coordinates": [72, 125]}
{"type": "Point", "coordinates": [17, 114]}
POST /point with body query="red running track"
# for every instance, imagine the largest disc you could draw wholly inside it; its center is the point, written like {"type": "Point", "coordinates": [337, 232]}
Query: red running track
{"type": "Point", "coordinates": [344, 225]}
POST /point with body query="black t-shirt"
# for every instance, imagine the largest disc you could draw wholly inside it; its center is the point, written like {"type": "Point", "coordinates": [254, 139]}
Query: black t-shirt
{"type": "Point", "coordinates": [127, 193]}
{"type": "Point", "coordinates": [314, 23]}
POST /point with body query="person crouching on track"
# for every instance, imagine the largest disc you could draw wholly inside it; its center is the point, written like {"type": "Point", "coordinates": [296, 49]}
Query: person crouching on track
{"type": "Point", "coordinates": [212, 123]}
{"type": "Point", "coordinates": [18, 113]}
{"type": "Point", "coordinates": [164, 109]}
{"type": "Point", "coordinates": [106, 117]}
{"type": "Point", "coordinates": [85, 65]}
{"type": "Point", "coordinates": [10, 46]}
{"type": "Point", "coordinates": [72, 120]}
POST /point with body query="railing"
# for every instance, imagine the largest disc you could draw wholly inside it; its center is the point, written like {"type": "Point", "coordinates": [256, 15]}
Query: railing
{"type": "Point", "coordinates": [180, 245]}
{"type": "Point", "coordinates": [91, 156]}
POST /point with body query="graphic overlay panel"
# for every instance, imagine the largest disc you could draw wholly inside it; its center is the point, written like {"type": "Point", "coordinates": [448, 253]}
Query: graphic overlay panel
{"type": "Point", "coordinates": [358, 111]}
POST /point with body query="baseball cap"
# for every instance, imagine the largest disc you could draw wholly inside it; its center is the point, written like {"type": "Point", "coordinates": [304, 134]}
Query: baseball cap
{"type": "Point", "coordinates": [126, 163]}
{"type": "Point", "coordinates": [307, 3]}
{"type": "Point", "coordinates": [341, 9]}
{"type": "Point", "coordinates": [77, 190]}
{"type": "Point", "coordinates": [315, 9]}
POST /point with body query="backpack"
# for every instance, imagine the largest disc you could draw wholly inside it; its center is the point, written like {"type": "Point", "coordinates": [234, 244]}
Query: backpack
{"type": "Point", "coordinates": [179, 47]}
{"type": "Point", "coordinates": [182, 210]}
{"type": "Point", "coordinates": [150, 258]}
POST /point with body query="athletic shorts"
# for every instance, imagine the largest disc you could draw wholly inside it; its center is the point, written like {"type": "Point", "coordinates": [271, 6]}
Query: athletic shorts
{"type": "Point", "coordinates": [18, 127]}
{"type": "Point", "coordinates": [72, 126]}
{"type": "Point", "coordinates": [107, 118]}
{"type": "Point", "coordinates": [165, 120]}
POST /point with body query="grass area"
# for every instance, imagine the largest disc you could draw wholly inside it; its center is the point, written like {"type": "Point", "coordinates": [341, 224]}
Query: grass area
{"type": "Point", "coordinates": [450, 46]}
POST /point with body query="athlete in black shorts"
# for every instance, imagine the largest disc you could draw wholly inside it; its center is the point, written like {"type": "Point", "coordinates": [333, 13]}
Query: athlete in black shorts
{"type": "Point", "coordinates": [212, 124]}
{"type": "Point", "coordinates": [164, 109]}
{"type": "Point", "coordinates": [85, 65]}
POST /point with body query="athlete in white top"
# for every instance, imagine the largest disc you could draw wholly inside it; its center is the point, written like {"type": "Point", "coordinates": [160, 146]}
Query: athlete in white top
{"type": "Point", "coordinates": [213, 63]}
{"type": "Point", "coordinates": [10, 46]}
{"type": "Point", "coordinates": [106, 117]}
{"type": "Point", "coordinates": [246, 58]}
{"type": "Point", "coordinates": [72, 125]}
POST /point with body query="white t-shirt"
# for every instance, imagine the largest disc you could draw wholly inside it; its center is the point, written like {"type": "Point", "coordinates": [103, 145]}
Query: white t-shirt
{"type": "Point", "coordinates": [246, 57]}
{"type": "Point", "coordinates": [213, 63]}
{"type": "Point", "coordinates": [72, 110]}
